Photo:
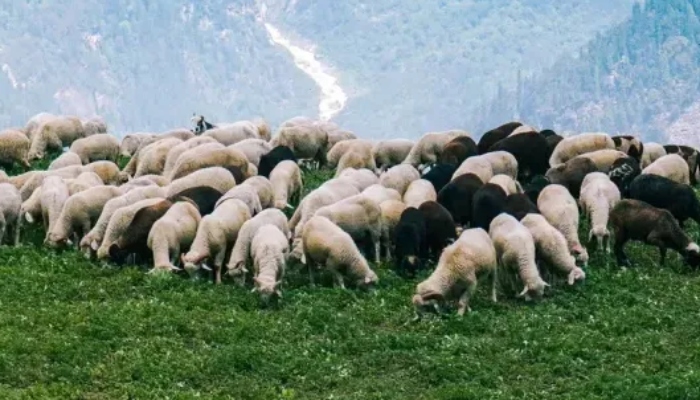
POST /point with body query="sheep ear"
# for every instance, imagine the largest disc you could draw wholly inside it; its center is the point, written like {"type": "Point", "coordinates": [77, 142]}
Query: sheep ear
{"type": "Point", "coordinates": [523, 293]}
{"type": "Point", "coordinates": [571, 279]}
{"type": "Point", "coordinates": [254, 289]}
{"type": "Point", "coordinates": [29, 218]}
{"type": "Point", "coordinates": [432, 296]}
{"type": "Point", "coordinates": [94, 246]}
{"type": "Point", "coordinates": [206, 267]}
{"type": "Point", "coordinates": [278, 293]}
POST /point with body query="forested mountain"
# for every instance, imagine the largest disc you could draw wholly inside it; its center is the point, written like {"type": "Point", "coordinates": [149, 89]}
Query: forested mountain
{"type": "Point", "coordinates": [407, 67]}
{"type": "Point", "coordinates": [640, 77]}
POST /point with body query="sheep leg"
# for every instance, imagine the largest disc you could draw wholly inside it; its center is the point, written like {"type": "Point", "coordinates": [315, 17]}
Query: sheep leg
{"type": "Point", "coordinates": [16, 228]}
{"type": "Point", "coordinates": [463, 304]}
{"type": "Point", "coordinates": [620, 255]}
{"type": "Point", "coordinates": [655, 240]}
{"type": "Point", "coordinates": [175, 255]}
{"type": "Point", "coordinates": [338, 279]}
{"type": "Point", "coordinates": [494, 281]}
{"type": "Point", "coordinates": [3, 225]}
{"type": "Point", "coordinates": [218, 262]}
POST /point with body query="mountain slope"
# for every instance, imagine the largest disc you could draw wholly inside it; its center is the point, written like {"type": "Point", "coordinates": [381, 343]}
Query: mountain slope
{"type": "Point", "coordinates": [641, 77]}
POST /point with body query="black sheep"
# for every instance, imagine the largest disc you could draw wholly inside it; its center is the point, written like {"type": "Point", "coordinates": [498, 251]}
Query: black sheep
{"type": "Point", "coordinates": [135, 237]}
{"type": "Point", "coordinates": [548, 132]}
{"type": "Point", "coordinates": [622, 172]}
{"type": "Point", "coordinates": [439, 175]}
{"type": "Point", "coordinates": [490, 138]}
{"type": "Point", "coordinates": [488, 202]}
{"type": "Point", "coordinates": [661, 192]}
{"type": "Point", "coordinates": [533, 188]}
{"type": "Point", "coordinates": [409, 239]}
{"type": "Point", "coordinates": [519, 205]}
{"type": "Point", "coordinates": [637, 220]}
{"type": "Point", "coordinates": [204, 197]}
{"type": "Point", "coordinates": [531, 151]}
{"type": "Point", "coordinates": [571, 174]}
{"type": "Point", "coordinates": [275, 156]}
{"type": "Point", "coordinates": [690, 155]}
{"type": "Point", "coordinates": [552, 142]}
{"type": "Point", "coordinates": [457, 196]}
{"type": "Point", "coordinates": [440, 227]}
{"type": "Point", "coordinates": [458, 150]}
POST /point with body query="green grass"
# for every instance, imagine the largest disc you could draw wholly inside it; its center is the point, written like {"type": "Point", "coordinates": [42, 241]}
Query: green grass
{"type": "Point", "coordinates": [72, 329]}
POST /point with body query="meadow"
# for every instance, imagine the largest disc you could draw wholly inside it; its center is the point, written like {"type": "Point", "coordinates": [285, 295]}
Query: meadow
{"type": "Point", "coordinates": [71, 328]}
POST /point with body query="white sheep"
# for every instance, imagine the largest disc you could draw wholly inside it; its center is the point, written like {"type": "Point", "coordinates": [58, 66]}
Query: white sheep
{"type": "Point", "coordinates": [240, 254]}
{"type": "Point", "coordinates": [286, 184]}
{"type": "Point", "coordinates": [14, 148]}
{"type": "Point", "coordinates": [210, 155]}
{"type": "Point", "coordinates": [131, 142]}
{"type": "Point", "coordinates": [361, 178]}
{"type": "Point", "coordinates": [253, 149]}
{"type": "Point", "coordinates": [391, 214]}
{"type": "Point", "coordinates": [119, 222]}
{"type": "Point", "coordinates": [560, 209]}
{"type": "Point", "coordinates": [245, 193]}
{"type": "Point", "coordinates": [19, 180]}
{"type": "Point", "coordinates": [337, 136]}
{"type": "Point", "coordinates": [174, 231]}
{"type": "Point", "coordinates": [79, 213]}
{"type": "Point", "coordinates": [83, 182]}
{"type": "Point", "coordinates": [336, 152]}
{"type": "Point", "coordinates": [388, 153]}
{"type": "Point", "coordinates": [215, 177]}
{"type": "Point", "coordinates": [418, 192]}
{"type": "Point", "coordinates": [107, 171]}
{"type": "Point", "coordinates": [54, 134]}
{"type": "Point", "coordinates": [10, 204]}
{"type": "Point", "coordinates": [216, 234]}
{"type": "Point", "coordinates": [65, 160]}
{"type": "Point", "coordinates": [263, 187]}
{"type": "Point", "coordinates": [35, 122]}
{"type": "Point", "coordinates": [502, 162]}
{"type": "Point", "coordinates": [94, 238]}
{"type": "Point", "coordinates": [399, 177]}
{"type": "Point", "coordinates": [94, 126]}
{"type": "Point", "coordinates": [380, 194]}
{"type": "Point", "coordinates": [175, 152]}
{"type": "Point", "coordinates": [101, 146]}
{"type": "Point", "coordinates": [356, 158]}
{"type": "Point", "coordinates": [508, 184]}
{"type": "Point", "coordinates": [429, 147]}
{"type": "Point", "coordinates": [671, 166]}
{"type": "Point", "coordinates": [551, 247]}
{"type": "Point", "coordinates": [652, 152]}
{"type": "Point", "coordinates": [477, 165]}
{"type": "Point", "coordinates": [232, 133]}
{"type": "Point", "coordinates": [515, 250]}
{"type": "Point", "coordinates": [269, 250]}
{"type": "Point", "coordinates": [330, 192]}
{"type": "Point", "coordinates": [603, 159]}
{"type": "Point", "coordinates": [151, 159]}
{"type": "Point", "coordinates": [327, 245]}
{"type": "Point", "coordinates": [35, 180]}
{"type": "Point", "coordinates": [54, 193]}
{"type": "Point", "coordinates": [306, 142]}
{"type": "Point", "coordinates": [471, 256]}
{"type": "Point", "coordinates": [598, 197]}
{"type": "Point", "coordinates": [572, 146]}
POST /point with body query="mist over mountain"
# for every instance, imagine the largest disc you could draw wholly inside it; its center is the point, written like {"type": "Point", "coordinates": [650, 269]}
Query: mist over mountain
{"type": "Point", "coordinates": [382, 69]}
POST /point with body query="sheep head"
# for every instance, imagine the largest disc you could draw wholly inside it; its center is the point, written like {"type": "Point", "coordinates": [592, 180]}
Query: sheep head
{"type": "Point", "coordinates": [267, 291]}
{"type": "Point", "coordinates": [533, 290]}
{"type": "Point", "coordinates": [576, 274]}
{"type": "Point", "coordinates": [691, 255]}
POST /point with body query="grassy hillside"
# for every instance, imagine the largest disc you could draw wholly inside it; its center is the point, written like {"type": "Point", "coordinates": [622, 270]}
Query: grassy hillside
{"type": "Point", "coordinates": [71, 328]}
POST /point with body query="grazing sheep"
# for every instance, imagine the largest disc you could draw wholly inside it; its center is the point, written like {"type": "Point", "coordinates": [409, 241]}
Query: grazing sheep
{"type": "Point", "coordinates": [429, 147]}
{"type": "Point", "coordinates": [35, 122]}
{"type": "Point", "coordinates": [336, 152]}
{"type": "Point", "coordinates": [14, 148]}
{"type": "Point", "coordinates": [94, 126]}
{"type": "Point", "coordinates": [622, 173]}
{"type": "Point", "coordinates": [440, 227]}
{"type": "Point", "coordinates": [286, 184]}
{"type": "Point", "coordinates": [509, 185]}
{"type": "Point", "coordinates": [652, 152]}
{"type": "Point", "coordinates": [630, 145]}
{"type": "Point", "coordinates": [559, 207]}
{"type": "Point", "coordinates": [502, 162]}
{"type": "Point", "coordinates": [330, 192]}
{"type": "Point", "coordinates": [478, 166]}
{"type": "Point", "coordinates": [306, 142]}
{"type": "Point", "coordinates": [519, 205]}
{"type": "Point", "coordinates": [495, 135]}
{"type": "Point", "coordinates": [604, 159]}
{"type": "Point", "coordinates": [66, 159]}
{"type": "Point", "coordinates": [232, 133]}
{"type": "Point", "coordinates": [418, 192]}
{"type": "Point", "coordinates": [571, 174]}
{"type": "Point", "coordinates": [637, 220]}
{"type": "Point", "coordinates": [410, 241]}
{"type": "Point", "coordinates": [690, 155]}
{"type": "Point", "coordinates": [387, 153]}
{"type": "Point", "coordinates": [360, 178]}
{"type": "Point", "coordinates": [177, 150]}
{"type": "Point", "coordinates": [240, 254]}
{"type": "Point", "coordinates": [10, 204]}
{"type": "Point", "coordinates": [151, 159]}
{"type": "Point", "coordinates": [101, 146]}
{"type": "Point", "coordinates": [83, 182]}
{"type": "Point", "coordinates": [515, 250]}
{"type": "Point", "coordinates": [671, 166]}
{"type": "Point", "coordinates": [573, 146]}
{"type": "Point", "coordinates": [472, 256]}
{"type": "Point", "coordinates": [79, 214]}
{"type": "Point", "coordinates": [338, 136]}
{"type": "Point", "coordinates": [530, 150]}
{"type": "Point", "coordinates": [488, 202]}
{"type": "Point", "coordinates": [391, 214]}
{"type": "Point", "coordinates": [327, 245]}
{"type": "Point", "coordinates": [208, 155]}
{"type": "Point", "coordinates": [359, 216]}
{"type": "Point", "coordinates": [264, 189]}
{"type": "Point", "coordinates": [245, 193]}
{"type": "Point", "coordinates": [54, 134]}
{"type": "Point", "coordinates": [399, 177]}
{"type": "Point", "coordinates": [457, 150]}
{"type": "Point", "coordinates": [216, 234]}
{"type": "Point", "coordinates": [131, 142]}
{"type": "Point", "coordinates": [205, 187]}
{"type": "Point", "coordinates": [551, 247]}
{"type": "Point", "coordinates": [269, 250]}
{"type": "Point", "coordinates": [134, 238]}
{"type": "Point", "coordinates": [598, 196]}
{"type": "Point", "coordinates": [380, 194]}
{"type": "Point", "coordinates": [37, 179]}
{"type": "Point", "coordinates": [533, 188]}
{"type": "Point", "coordinates": [172, 233]}
{"type": "Point", "coordinates": [94, 238]}
{"type": "Point", "coordinates": [678, 198]}
{"type": "Point", "coordinates": [269, 161]}
{"type": "Point", "coordinates": [457, 197]}
{"type": "Point", "coordinates": [107, 171]}
{"type": "Point", "coordinates": [439, 175]}
{"type": "Point", "coordinates": [357, 158]}
{"type": "Point", "coordinates": [253, 149]}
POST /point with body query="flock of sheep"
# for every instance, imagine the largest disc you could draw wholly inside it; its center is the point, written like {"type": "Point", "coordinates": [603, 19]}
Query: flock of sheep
{"type": "Point", "coordinates": [212, 198]}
